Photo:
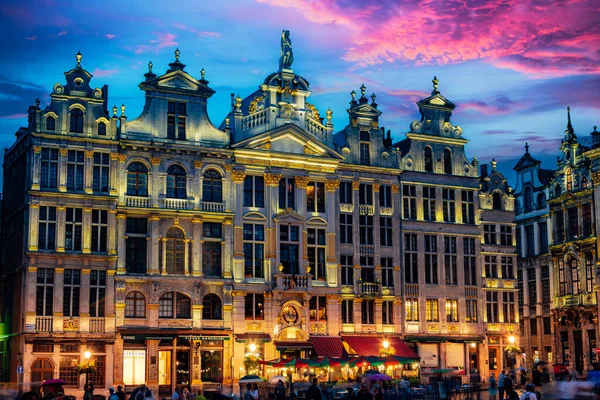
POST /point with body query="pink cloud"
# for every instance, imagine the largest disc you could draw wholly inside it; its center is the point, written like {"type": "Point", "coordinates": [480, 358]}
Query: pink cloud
{"type": "Point", "coordinates": [184, 27]}
{"type": "Point", "coordinates": [14, 116]}
{"type": "Point", "coordinates": [99, 73]}
{"type": "Point", "coordinates": [542, 38]}
{"type": "Point", "coordinates": [30, 37]}
{"type": "Point", "coordinates": [61, 33]}
{"type": "Point", "coordinates": [163, 39]}
{"type": "Point", "coordinates": [110, 36]}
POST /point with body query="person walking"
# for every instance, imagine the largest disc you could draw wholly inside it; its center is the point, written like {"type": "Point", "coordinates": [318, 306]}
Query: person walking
{"type": "Point", "coordinates": [529, 393]}
{"type": "Point", "coordinates": [501, 379]}
{"type": "Point", "coordinates": [248, 394]}
{"type": "Point", "coordinates": [493, 387]}
{"type": "Point", "coordinates": [363, 393]}
{"type": "Point", "coordinates": [314, 391]}
{"type": "Point", "coordinates": [120, 393]}
{"type": "Point", "coordinates": [112, 394]}
{"type": "Point", "coordinates": [280, 390]}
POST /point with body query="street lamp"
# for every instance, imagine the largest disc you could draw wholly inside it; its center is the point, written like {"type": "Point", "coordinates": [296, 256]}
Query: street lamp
{"type": "Point", "coordinates": [86, 394]}
{"type": "Point", "coordinates": [511, 339]}
{"type": "Point", "coordinates": [252, 348]}
{"type": "Point", "coordinates": [386, 344]}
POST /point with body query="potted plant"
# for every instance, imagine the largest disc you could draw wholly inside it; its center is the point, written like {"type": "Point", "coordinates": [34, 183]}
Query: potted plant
{"type": "Point", "coordinates": [87, 366]}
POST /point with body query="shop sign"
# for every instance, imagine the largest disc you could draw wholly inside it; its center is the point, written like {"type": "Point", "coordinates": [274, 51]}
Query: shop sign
{"type": "Point", "coordinates": [143, 336]}
{"type": "Point", "coordinates": [148, 337]}
{"type": "Point", "coordinates": [29, 327]}
{"type": "Point", "coordinates": [201, 337]}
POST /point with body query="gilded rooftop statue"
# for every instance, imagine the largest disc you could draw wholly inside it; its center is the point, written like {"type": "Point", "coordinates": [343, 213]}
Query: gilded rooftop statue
{"type": "Point", "coordinates": [287, 55]}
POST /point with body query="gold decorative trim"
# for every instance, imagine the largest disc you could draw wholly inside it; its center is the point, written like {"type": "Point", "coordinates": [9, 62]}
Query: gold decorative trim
{"type": "Point", "coordinates": [272, 179]}
{"type": "Point", "coordinates": [114, 156]}
{"type": "Point", "coordinates": [331, 185]}
{"type": "Point", "coordinates": [63, 152]}
{"type": "Point", "coordinates": [395, 189]}
{"type": "Point", "coordinates": [355, 185]}
{"type": "Point", "coordinates": [238, 176]}
{"type": "Point", "coordinates": [37, 149]}
{"type": "Point", "coordinates": [198, 164]}
{"type": "Point", "coordinates": [89, 154]}
{"type": "Point", "coordinates": [376, 187]}
{"type": "Point", "coordinates": [301, 182]}
{"type": "Point", "coordinates": [122, 157]}
{"type": "Point", "coordinates": [155, 160]}
{"type": "Point", "coordinates": [228, 167]}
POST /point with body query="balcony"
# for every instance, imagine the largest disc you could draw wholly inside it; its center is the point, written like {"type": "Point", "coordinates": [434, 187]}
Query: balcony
{"type": "Point", "coordinates": [176, 204]}
{"type": "Point", "coordinates": [97, 325]}
{"type": "Point", "coordinates": [43, 324]}
{"type": "Point", "coordinates": [137, 201]}
{"type": "Point", "coordinates": [386, 211]}
{"type": "Point", "coordinates": [366, 209]}
{"type": "Point", "coordinates": [369, 289]}
{"type": "Point", "coordinates": [573, 300]}
{"type": "Point", "coordinates": [210, 206]}
{"type": "Point", "coordinates": [411, 290]}
{"type": "Point", "coordinates": [366, 250]}
{"type": "Point", "coordinates": [292, 282]}
{"type": "Point", "coordinates": [471, 292]}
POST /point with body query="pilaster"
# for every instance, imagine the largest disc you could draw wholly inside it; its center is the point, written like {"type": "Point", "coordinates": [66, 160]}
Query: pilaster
{"type": "Point", "coordinates": [88, 172]}
{"type": "Point", "coordinates": [121, 243]}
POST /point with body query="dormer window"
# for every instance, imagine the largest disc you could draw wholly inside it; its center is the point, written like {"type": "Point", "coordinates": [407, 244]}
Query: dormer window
{"type": "Point", "coordinates": [101, 129]}
{"type": "Point", "coordinates": [76, 125]}
{"type": "Point", "coordinates": [50, 124]}
{"type": "Point", "coordinates": [569, 179]}
{"type": "Point", "coordinates": [428, 159]}
{"type": "Point", "coordinates": [176, 121]}
{"type": "Point", "coordinates": [365, 156]}
{"type": "Point", "coordinates": [365, 136]}
{"type": "Point", "coordinates": [447, 161]}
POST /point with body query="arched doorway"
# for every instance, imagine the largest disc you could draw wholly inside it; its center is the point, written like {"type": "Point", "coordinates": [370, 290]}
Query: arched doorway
{"type": "Point", "coordinates": [41, 369]}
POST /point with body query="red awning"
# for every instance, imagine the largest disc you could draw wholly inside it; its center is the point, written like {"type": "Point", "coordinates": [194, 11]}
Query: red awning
{"type": "Point", "coordinates": [371, 345]}
{"type": "Point", "coordinates": [328, 346]}
{"type": "Point", "coordinates": [252, 337]}
{"type": "Point", "coordinates": [292, 345]}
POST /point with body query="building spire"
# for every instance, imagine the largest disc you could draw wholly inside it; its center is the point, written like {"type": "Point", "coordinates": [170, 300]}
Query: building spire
{"type": "Point", "coordinates": [435, 82]}
{"type": "Point", "coordinates": [526, 148]}
{"type": "Point", "coordinates": [176, 65]}
{"type": "Point", "coordinates": [569, 132]}
{"type": "Point", "coordinates": [78, 57]}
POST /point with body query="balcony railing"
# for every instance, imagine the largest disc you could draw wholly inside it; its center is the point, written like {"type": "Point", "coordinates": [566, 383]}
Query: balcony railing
{"type": "Point", "coordinates": [43, 324]}
{"type": "Point", "coordinates": [212, 206]}
{"type": "Point", "coordinates": [366, 209]}
{"type": "Point", "coordinates": [176, 204]}
{"type": "Point", "coordinates": [369, 288]}
{"type": "Point", "coordinates": [294, 282]}
{"type": "Point", "coordinates": [411, 290]}
{"type": "Point", "coordinates": [137, 201]}
{"type": "Point", "coordinates": [471, 292]}
{"type": "Point", "coordinates": [97, 325]}
{"type": "Point", "coordinates": [366, 250]}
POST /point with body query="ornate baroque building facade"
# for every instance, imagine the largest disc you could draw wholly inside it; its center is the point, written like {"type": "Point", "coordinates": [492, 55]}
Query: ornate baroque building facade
{"type": "Point", "coordinates": [171, 248]}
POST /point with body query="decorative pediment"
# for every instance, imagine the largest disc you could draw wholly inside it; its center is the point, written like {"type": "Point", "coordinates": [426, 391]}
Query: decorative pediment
{"type": "Point", "coordinates": [289, 215]}
{"type": "Point", "coordinates": [525, 162]}
{"type": "Point", "coordinates": [437, 101]}
{"type": "Point", "coordinates": [178, 82]}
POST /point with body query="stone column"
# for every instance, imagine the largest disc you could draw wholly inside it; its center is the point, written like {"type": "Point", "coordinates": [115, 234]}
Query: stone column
{"type": "Point", "coordinates": [155, 188]}
{"type": "Point", "coordinates": [271, 207]}
{"type": "Point", "coordinates": [196, 254]}
{"type": "Point", "coordinates": [110, 301]}
{"type": "Point", "coordinates": [357, 314]}
{"type": "Point", "coordinates": [121, 243]}
{"type": "Point", "coordinates": [378, 314]}
{"type": "Point", "coordinates": [84, 300]}
{"type": "Point", "coordinates": [34, 218]}
{"type": "Point", "coordinates": [238, 226]}
{"type": "Point", "coordinates": [154, 242]}
{"type": "Point", "coordinates": [152, 368]}
{"type": "Point", "coordinates": [197, 184]}
{"type": "Point", "coordinates": [226, 188]}
{"type": "Point", "coordinates": [121, 185]}
{"type": "Point", "coordinates": [62, 169]}
{"type": "Point", "coordinates": [59, 284]}
{"type": "Point", "coordinates": [331, 187]}
{"type": "Point", "coordinates": [87, 231]}
{"type": "Point", "coordinates": [186, 256]}
{"type": "Point", "coordinates": [118, 361]}
{"type": "Point", "coordinates": [113, 174]}
{"type": "Point", "coordinates": [35, 173]}
{"type": "Point", "coordinates": [163, 267]}
{"type": "Point", "coordinates": [226, 249]}
{"type": "Point", "coordinates": [196, 367]}
{"type": "Point", "coordinates": [88, 171]}
{"type": "Point", "coordinates": [61, 215]}
{"type": "Point", "coordinates": [112, 233]}
{"type": "Point", "coordinates": [301, 183]}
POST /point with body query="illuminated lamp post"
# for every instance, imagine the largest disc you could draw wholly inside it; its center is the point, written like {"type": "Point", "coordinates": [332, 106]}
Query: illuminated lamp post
{"type": "Point", "coordinates": [86, 394]}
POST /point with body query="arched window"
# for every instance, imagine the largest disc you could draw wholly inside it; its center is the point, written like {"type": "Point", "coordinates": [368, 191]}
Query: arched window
{"type": "Point", "coordinates": [76, 121]}
{"type": "Point", "coordinates": [497, 201]}
{"type": "Point", "coordinates": [212, 186]}
{"type": "Point", "coordinates": [557, 190]}
{"type": "Point", "coordinates": [176, 182]}
{"type": "Point", "coordinates": [175, 247]}
{"type": "Point", "coordinates": [174, 305]}
{"type": "Point", "coordinates": [569, 179]}
{"type": "Point", "coordinates": [41, 369]}
{"type": "Point", "coordinates": [135, 305]}
{"type": "Point", "coordinates": [50, 124]}
{"type": "Point", "coordinates": [211, 307]}
{"type": "Point", "coordinates": [541, 201]}
{"type": "Point", "coordinates": [428, 159]}
{"type": "Point", "coordinates": [101, 129]}
{"type": "Point", "coordinates": [447, 161]}
{"type": "Point", "coordinates": [584, 183]}
{"type": "Point", "coordinates": [137, 179]}
{"type": "Point", "coordinates": [528, 199]}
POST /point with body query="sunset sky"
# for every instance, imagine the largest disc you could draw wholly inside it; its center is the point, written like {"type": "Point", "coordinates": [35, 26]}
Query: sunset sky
{"type": "Point", "coordinates": [511, 66]}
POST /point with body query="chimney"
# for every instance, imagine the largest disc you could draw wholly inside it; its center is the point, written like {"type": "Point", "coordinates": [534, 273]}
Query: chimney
{"type": "Point", "coordinates": [484, 170]}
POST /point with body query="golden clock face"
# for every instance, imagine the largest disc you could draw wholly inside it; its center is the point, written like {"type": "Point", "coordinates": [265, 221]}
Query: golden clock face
{"type": "Point", "coordinates": [289, 314]}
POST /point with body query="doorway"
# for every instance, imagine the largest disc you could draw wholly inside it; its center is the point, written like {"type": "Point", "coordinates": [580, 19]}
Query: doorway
{"type": "Point", "coordinates": [578, 341]}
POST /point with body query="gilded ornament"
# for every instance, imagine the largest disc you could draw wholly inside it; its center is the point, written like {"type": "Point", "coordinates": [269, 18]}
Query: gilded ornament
{"type": "Point", "coordinates": [122, 157]}
{"type": "Point", "coordinates": [89, 154]}
{"type": "Point", "coordinates": [395, 189]}
{"type": "Point", "coordinates": [63, 152]}
{"type": "Point", "coordinates": [228, 167]}
{"type": "Point", "coordinates": [376, 187]}
{"type": "Point", "coordinates": [315, 113]}
{"type": "Point", "coordinates": [37, 149]}
{"type": "Point", "coordinates": [238, 176]}
{"type": "Point", "coordinates": [155, 160]}
{"type": "Point", "coordinates": [197, 164]}
{"type": "Point", "coordinates": [272, 179]}
{"type": "Point", "coordinates": [355, 185]}
{"type": "Point", "coordinates": [332, 184]}
{"type": "Point", "coordinates": [301, 182]}
{"type": "Point", "coordinates": [254, 104]}
{"type": "Point", "coordinates": [596, 177]}
{"type": "Point", "coordinates": [355, 122]}
{"type": "Point", "coordinates": [374, 124]}
{"type": "Point", "coordinates": [114, 156]}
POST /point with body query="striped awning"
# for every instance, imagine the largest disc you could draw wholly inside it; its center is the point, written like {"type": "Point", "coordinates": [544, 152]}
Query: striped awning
{"type": "Point", "coordinates": [371, 345]}
{"type": "Point", "coordinates": [328, 346]}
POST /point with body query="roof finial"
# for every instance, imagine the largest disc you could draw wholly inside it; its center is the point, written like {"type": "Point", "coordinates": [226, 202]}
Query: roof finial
{"type": "Point", "coordinates": [373, 97]}
{"type": "Point", "coordinates": [353, 94]}
{"type": "Point", "coordinates": [363, 90]}
{"type": "Point", "coordinates": [494, 163]}
{"type": "Point", "coordinates": [202, 72]}
{"type": "Point", "coordinates": [37, 102]}
{"type": "Point", "coordinates": [526, 148]}
{"type": "Point", "coordinates": [78, 56]}
{"type": "Point", "coordinates": [150, 65]}
{"type": "Point", "coordinates": [114, 110]}
{"type": "Point", "coordinates": [569, 129]}
{"type": "Point", "coordinates": [435, 82]}
{"type": "Point", "coordinates": [177, 52]}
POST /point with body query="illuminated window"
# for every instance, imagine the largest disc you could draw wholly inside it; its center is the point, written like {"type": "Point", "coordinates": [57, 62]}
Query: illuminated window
{"type": "Point", "coordinates": [137, 179]}
{"type": "Point", "coordinates": [584, 183]}
{"type": "Point", "coordinates": [76, 121]}
{"type": "Point", "coordinates": [428, 203]}
{"type": "Point", "coordinates": [412, 309]}
{"type": "Point", "coordinates": [492, 307]}
{"type": "Point", "coordinates": [411, 269]}
{"type": "Point", "coordinates": [212, 186]}
{"type": "Point", "coordinates": [176, 118]}
{"type": "Point", "coordinates": [448, 205]}
{"type": "Point", "coordinates": [428, 159]}
{"type": "Point", "coordinates": [316, 252]}
{"type": "Point", "coordinates": [317, 308]}
{"type": "Point", "coordinates": [101, 129]}
{"type": "Point", "coordinates": [287, 196]}
{"type": "Point", "coordinates": [431, 260]}
{"type": "Point", "coordinates": [451, 310]}
{"type": "Point", "coordinates": [176, 182]}
{"type": "Point", "coordinates": [470, 310]}
{"type": "Point", "coordinates": [347, 311]}
{"type": "Point", "coordinates": [254, 250]}
{"type": "Point", "coordinates": [67, 369]}
{"type": "Point", "coordinates": [254, 191]}
{"type": "Point", "coordinates": [254, 308]}
{"type": "Point", "coordinates": [50, 123]}
{"type": "Point", "coordinates": [176, 305]}
{"type": "Point", "coordinates": [49, 168]}
{"type": "Point", "coordinates": [450, 265]}
{"type": "Point", "coordinates": [315, 197]}
{"type": "Point", "coordinates": [432, 313]}
{"type": "Point", "coordinates": [175, 251]}
{"type": "Point", "coordinates": [447, 161]}
{"type": "Point", "coordinates": [387, 312]}
{"type": "Point", "coordinates": [409, 201]}
{"type": "Point", "coordinates": [135, 305]}
{"type": "Point", "coordinates": [347, 264]}
{"type": "Point", "coordinates": [569, 179]}
{"type": "Point", "coordinates": [562, 277]}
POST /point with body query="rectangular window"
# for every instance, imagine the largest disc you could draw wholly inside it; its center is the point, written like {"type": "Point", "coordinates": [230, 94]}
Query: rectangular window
{"type": "Point", "coordinates": [254, 191]}
{"type": "Point", "coordinates": [385, 231]}
{"type": "Point", "coordinates": [212, 259]}
{"type": "Point", "coordinates": [346, 192]}
{"type": "Point", "coordinates": [573, 220]}
{"type": "Point", "coordinates": [347, 264]}
{"type": "Point", "coordinates": [491, 266]}
{"type": "Point", "coordinates": [545, 291]}
{"type": "Point", "coordinates": [411, 268]}
{"type": "Point", "coordinates": [49, 168]}
{"type": "Point", "coordinates": [368, 312]}
{"type": "Point", "coordinates": [315, 197]}
{"type": "Point", "coordinates": [547, 325]}
{"type": "Point", "coordinates": [451, 310]}
{"type": "Point", "coordinates": [489, 234]}
{"type": "Point", "coordinates": [346, 229]}
{"type": "Point", "coordinates": [287, 193]}
{"type": "Point", "coordinates": [431, 260]}
{"type": "Point", "coordinates": [317, 308]}
{"type": "Point", "coordinates": [213, 230]}
{"type": "Point", "coordinates": [470, 262]}
{"type": "Point", "coordinates": [471, 310]}
{"type": "Point", "coordinates": [75, 167]}
{"type": "Point", "coordinates": [71, 291]}
{"type": "Point", "coordinates": [97, 293]}
{"type": "Point", "coordinates": [44, 295]}
{"type": "Point", "coordinates": [508, 267]}
{"type": "Point", "coordinates": [101, 168]}
{"type": "Point", "coordinates": [176, 117]}
{"type": "Point", "coordinates": [99, 231]}
{"type": "Point", "coordinates": [316, 252]}
{"type": "Point", "coordinates": [387, 272]}
{"type": "Point", "coordinates": [518, 239]}
{"type": "Point", "coordinates": [366, 229]}
{"type": "Point", "coordinates": [409, 201]}
{"type": "Point", "coordinates": [385, 196]}
{"type": "Point", "coordinates": [412, 309]}
{"type": "Point", "coordinates": [432, 313]}
{"type": "Point", "coordinates": [586, 219]}
{"type": "Point", "coordinates": [450, 265]}
{"type": "Point", "coordinates": [508, 306]}
{"type": "Point", "coordinates": [559, 224]}
{"type": "Point", "coordinates": [73, 229]}
{"type": "Point", "coordinates": [492, 307]}
{"type": "Point", "coordinates": [506, 235]}
{"type": "Point", "coordinates": [254, 250]}
{"type": "Point", "coordinates": [365, 154]}
{"type": "Point", "coordinates": [289, 241]}
{"type": "Point", "coordinates": [365, 194]}
{"type": "Point", "coordinates": [367, 270]}
{"type": "Point", "coordinates": [532, 327]}
{"type": "Point", "coordinates": [468, 206]}
{"type": "Point", "coordinates": [562, 278]}
{"type": "Point", "coordinates": [589, 273]}
{"type": "Point", "coordinates": [428, 203]}
{"type": "Point", "coordinates": [47, 228]}
{"type": "Point", "coordinates": [347, 311]}
{"type": "Point", "coordinates": [254, 306]}
{"type": "Point", "coordinates": [575, 283]}
{"type": "Point", "coordinates": [67, 369]}
{"type": "Point", "coordinates": [387, 312]}
{"type": "Point", "coordinates": [136, 245]}
{"type": "Point", "coordinates": [448, 205]}
{"type": "Point", "coordinates": [543, 227]}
